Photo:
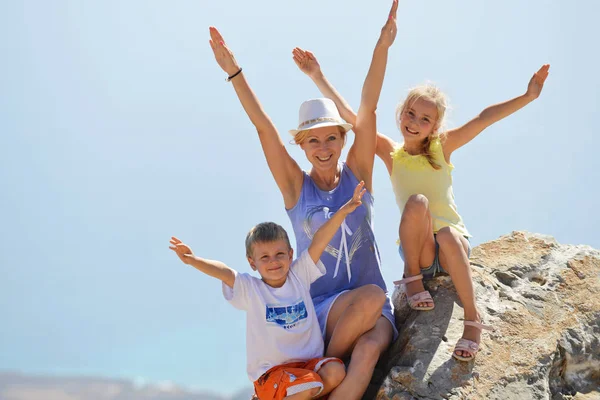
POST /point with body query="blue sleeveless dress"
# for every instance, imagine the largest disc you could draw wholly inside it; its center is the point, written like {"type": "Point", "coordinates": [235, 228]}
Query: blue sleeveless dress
{"type": "Point", "coordinates": [351, 259]}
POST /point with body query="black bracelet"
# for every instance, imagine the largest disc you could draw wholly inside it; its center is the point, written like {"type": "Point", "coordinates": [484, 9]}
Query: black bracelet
{"type": "Point", "coordinates": [229, 78]}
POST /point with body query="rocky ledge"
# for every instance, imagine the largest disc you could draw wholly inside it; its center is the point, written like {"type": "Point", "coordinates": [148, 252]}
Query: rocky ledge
{"type": "Point", "coordinates": [543, 299]}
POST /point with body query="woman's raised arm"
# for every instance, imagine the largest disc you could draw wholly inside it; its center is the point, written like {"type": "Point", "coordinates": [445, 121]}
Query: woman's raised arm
{"type": "Point", "coordinates": [285, 170]}
{"type": "Point", "coordinates": [362, 152]}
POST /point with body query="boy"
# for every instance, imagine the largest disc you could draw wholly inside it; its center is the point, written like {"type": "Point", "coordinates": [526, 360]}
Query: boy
{"type": "Point", "coordinates": [284, 344]}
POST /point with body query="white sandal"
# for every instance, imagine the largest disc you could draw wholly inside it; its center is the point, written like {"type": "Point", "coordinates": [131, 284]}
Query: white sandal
{"type": "Point", "coordinates": [469, 345]}
{"type": "Point", "coordinates": [415, 299]}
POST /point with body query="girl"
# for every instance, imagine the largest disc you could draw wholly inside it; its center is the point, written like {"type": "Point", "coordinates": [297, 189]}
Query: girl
{"type": "Point", "coordinates": [433, 237]}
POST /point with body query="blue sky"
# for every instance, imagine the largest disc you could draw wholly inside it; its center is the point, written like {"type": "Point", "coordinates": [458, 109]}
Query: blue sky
{"type": "Point", "coordinates": [117, 130]}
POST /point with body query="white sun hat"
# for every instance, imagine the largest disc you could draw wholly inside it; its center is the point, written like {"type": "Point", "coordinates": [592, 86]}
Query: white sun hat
{"type": "Point", "coordinates": [317, 113]}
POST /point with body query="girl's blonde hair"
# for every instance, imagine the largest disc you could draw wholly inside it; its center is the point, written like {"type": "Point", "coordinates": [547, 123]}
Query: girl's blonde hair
{"type": "Point", "coordinates": [433, 94]}
{"type": "Point", "coordinates": [301, 136]}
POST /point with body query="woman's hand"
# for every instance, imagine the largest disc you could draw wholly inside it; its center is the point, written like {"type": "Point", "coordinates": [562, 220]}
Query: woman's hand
{"type": "Point", "coordinates": [388, 32]}
{"type": "Point", "coordinates": [223, 55]}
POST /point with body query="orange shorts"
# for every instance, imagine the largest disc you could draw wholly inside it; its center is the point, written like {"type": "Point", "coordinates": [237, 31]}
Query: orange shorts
{"type": "Point", "coordinates": [291, 378]}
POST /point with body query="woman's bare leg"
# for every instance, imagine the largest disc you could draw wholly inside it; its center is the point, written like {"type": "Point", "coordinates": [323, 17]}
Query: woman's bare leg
{"type": "Point", "coordinates": [352, 314]}
{"type": "Point", "coordinates": [365, 355]}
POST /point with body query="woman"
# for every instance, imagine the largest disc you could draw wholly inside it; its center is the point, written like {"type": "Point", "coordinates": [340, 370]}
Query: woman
{"type": "Point", "coordinates": [355, 315]}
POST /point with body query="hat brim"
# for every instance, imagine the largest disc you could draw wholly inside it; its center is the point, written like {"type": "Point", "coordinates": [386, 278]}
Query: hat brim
{"type": "Point", "coordinates": [346, 127]}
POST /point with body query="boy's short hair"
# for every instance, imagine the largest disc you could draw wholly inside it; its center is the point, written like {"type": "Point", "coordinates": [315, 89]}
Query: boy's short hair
{"type": "Point", "coordinates": [265, 232]}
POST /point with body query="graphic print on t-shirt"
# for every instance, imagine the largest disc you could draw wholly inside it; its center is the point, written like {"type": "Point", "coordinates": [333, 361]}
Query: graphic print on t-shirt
{"type": "Point", "coordinates": [286, 316]}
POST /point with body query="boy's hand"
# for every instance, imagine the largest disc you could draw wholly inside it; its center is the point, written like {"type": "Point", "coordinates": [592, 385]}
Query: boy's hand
{"type": "Point", "coordinates": [223, 55]}
{"type": "Point", "coordinates": [184, 252]}
{"type": "Point", "coordinates": [327, 231]}
{"type": "Point", "coordinates": [355, 201]}
{"type": "Point", "coordinates": [536, 84]}
{"type": "Point", "coordinates": [388, 32]}
{"type": "Point", "coordinates": [307, 62]}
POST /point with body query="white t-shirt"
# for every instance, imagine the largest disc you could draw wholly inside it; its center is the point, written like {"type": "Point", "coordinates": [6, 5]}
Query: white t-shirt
{"type": "Point", "coordinates": [281, 325]}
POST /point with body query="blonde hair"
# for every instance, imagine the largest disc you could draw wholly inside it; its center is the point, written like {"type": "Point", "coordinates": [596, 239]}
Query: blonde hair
{"type": "Point", "coordinates": [433, 94]}
{"type": "Point", "coordinates": [301, 136]}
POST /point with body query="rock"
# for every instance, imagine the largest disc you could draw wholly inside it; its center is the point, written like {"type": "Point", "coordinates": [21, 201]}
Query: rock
{"type": "Point", "coordinates": [543, 298]}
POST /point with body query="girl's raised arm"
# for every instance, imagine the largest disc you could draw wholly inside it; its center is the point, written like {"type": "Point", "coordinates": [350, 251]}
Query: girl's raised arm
{"type": "Point", "coordinates": [362, 152]}
{"type": "Point", "coordinates": [456, 138]}
{"type": "Point", "coordinates": [307, 63]}
{"type": "Point", "coordinates": [285, 170]}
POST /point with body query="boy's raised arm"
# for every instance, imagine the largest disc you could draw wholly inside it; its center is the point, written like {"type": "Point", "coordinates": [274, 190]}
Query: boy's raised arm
{"type": "Point", "coordinates": [213, 268]}
{"type": "Point", "coordinates": [326, 232]}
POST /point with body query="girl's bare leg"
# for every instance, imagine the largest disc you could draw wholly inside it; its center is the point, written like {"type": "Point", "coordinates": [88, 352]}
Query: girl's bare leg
{"type": "Point", "coordinates": [453, 258]}
{"type": "Point", "coordinates": [418, 243]}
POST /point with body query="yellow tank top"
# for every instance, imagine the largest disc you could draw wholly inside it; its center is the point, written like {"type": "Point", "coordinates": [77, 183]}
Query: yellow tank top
{"type": "Point", "coordinates": [412, 174]}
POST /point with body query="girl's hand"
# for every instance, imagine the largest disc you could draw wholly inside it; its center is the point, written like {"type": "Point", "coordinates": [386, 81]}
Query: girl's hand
{"type": "Point", "coordinates": [388, 32]}
{"type": "Point", "coordinates": [223, 55]}
{"type": "Point", "coordinates": [355, 201]}
{"type": "Point", "coordinates": [307, 62]}
{"type": "Point", "coordinates": [536, 84]}
{"type": "Point", "coordinates": [184, 252]}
